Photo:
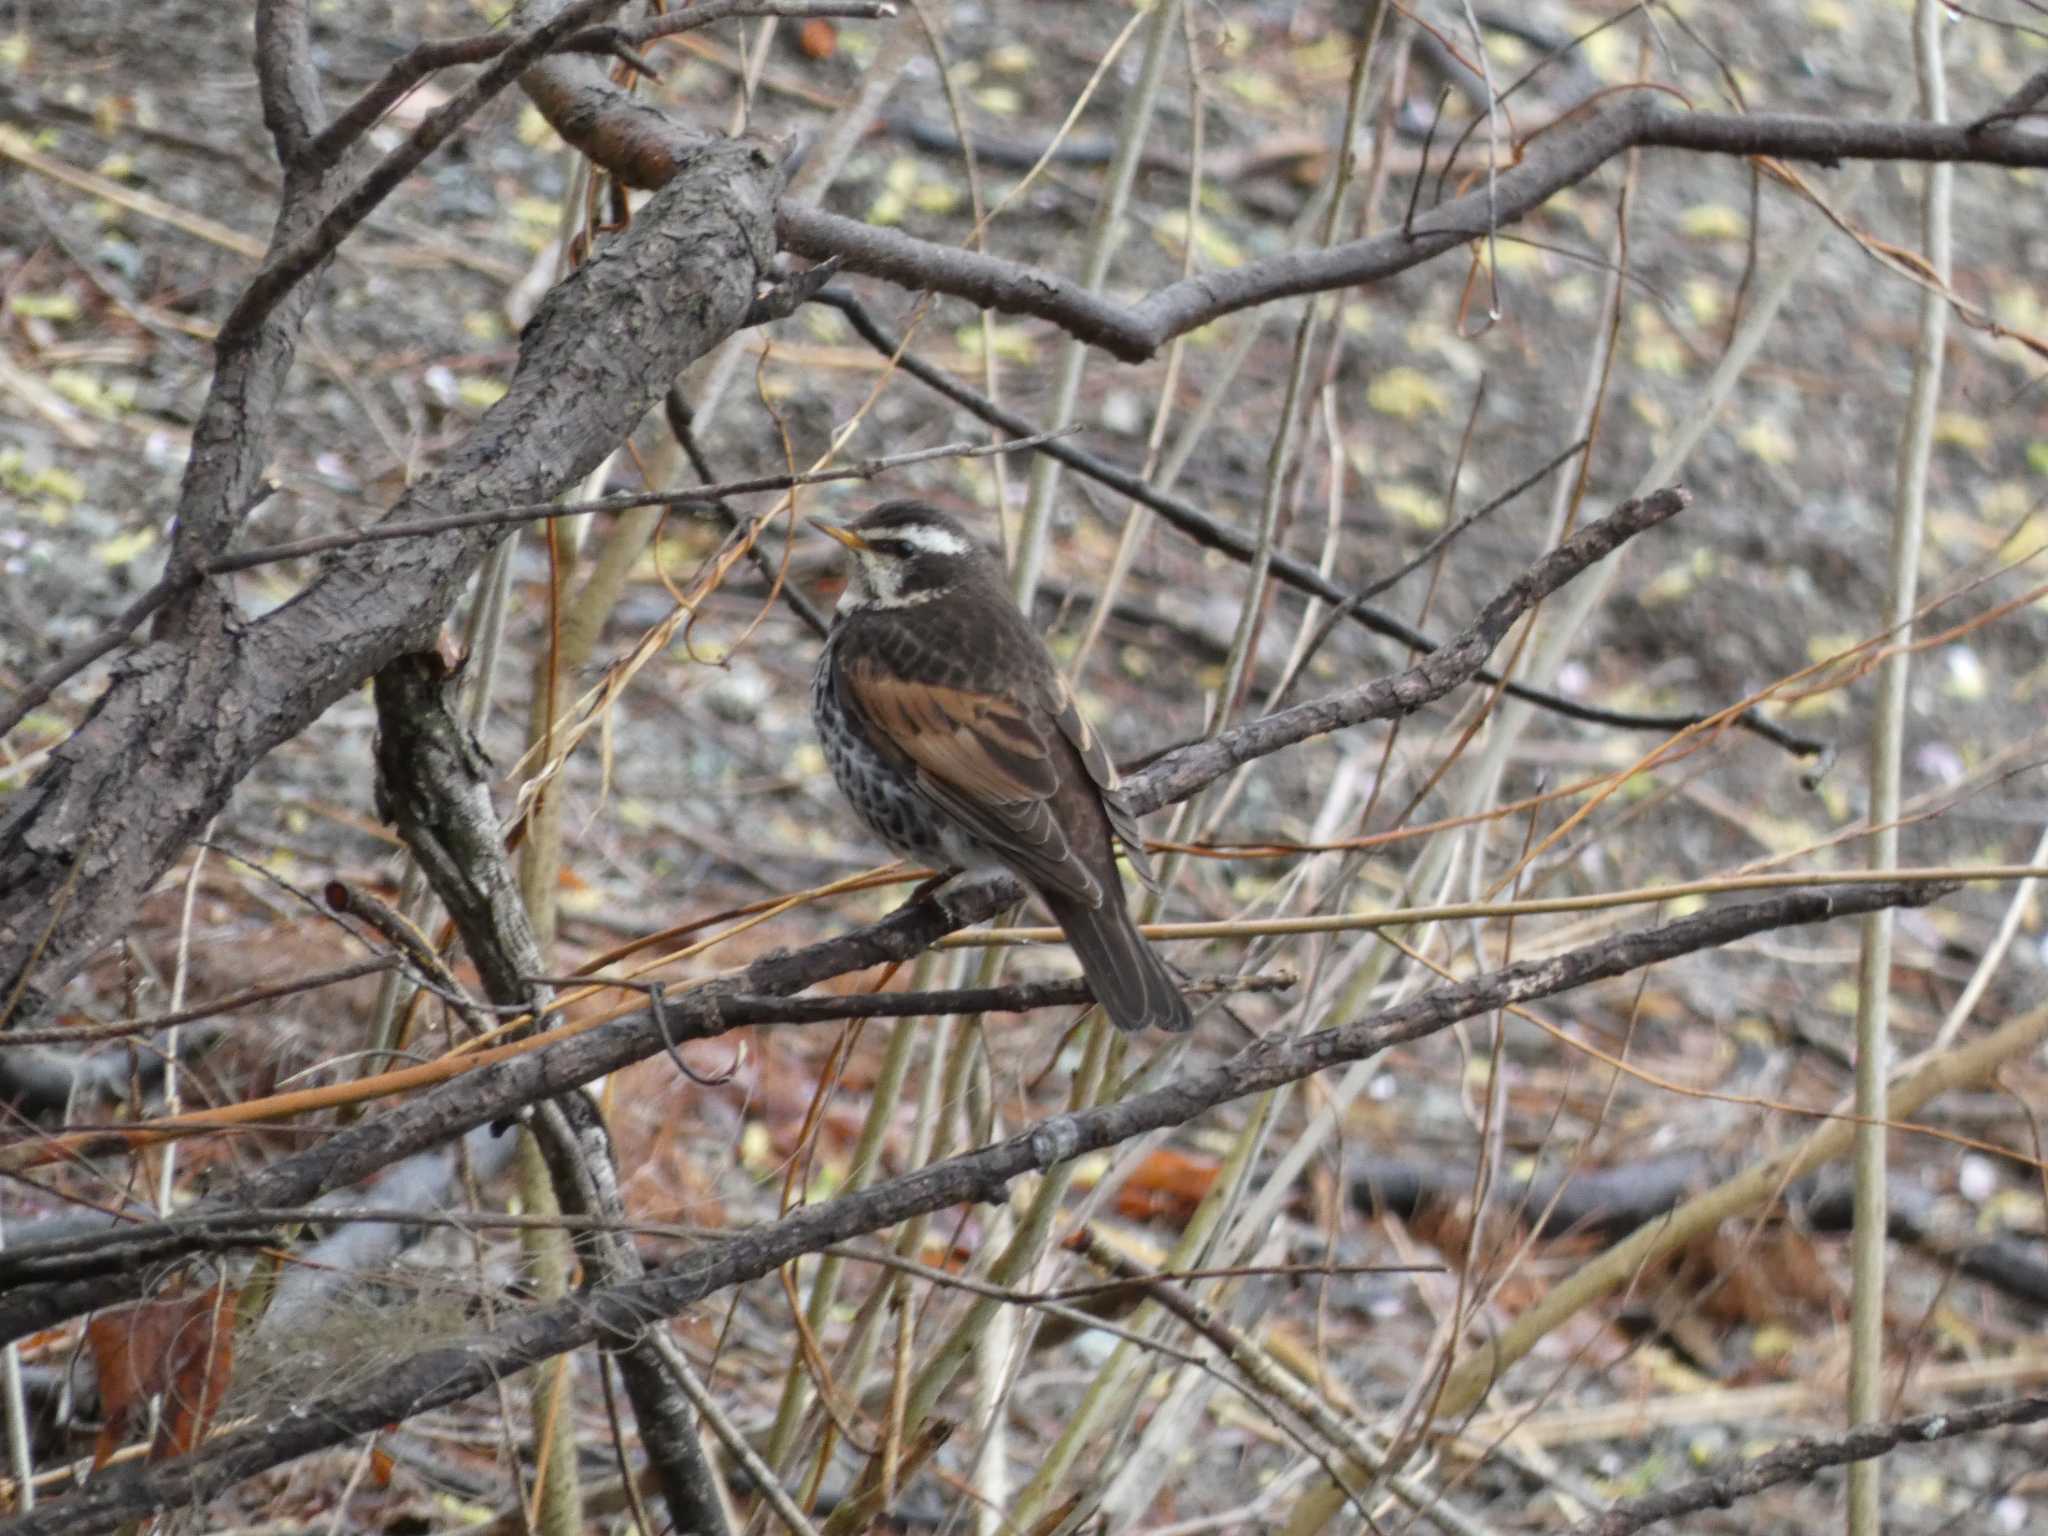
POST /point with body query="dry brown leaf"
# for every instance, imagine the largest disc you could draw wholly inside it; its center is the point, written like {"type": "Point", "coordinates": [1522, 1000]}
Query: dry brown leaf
{"type": "Point", "coordinates": [817, 38]}
{"type": "Point", "coordinates": [181, 1349]}
{"type": "Point", "coordinates": [1167, 1184]}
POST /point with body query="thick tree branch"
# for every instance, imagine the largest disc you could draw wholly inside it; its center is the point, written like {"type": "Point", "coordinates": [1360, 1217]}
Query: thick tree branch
{"type": "Point", "coordinates": [182, 722]}
{"type": "Point", "coordinates": [1134, 332]}
{"type": "Point", "coordinates": [286, 81]}
{"type": "Point", "coordinates": [434, 784]}
{"type": "Point", "coordinates": [231, 440]}
{"type": "Point", "coordinates": [449, 1374]}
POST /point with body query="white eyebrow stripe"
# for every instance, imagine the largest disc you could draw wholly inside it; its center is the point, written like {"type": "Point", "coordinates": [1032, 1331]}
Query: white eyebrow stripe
{"type": "Point", "coordinates": [928, 537]}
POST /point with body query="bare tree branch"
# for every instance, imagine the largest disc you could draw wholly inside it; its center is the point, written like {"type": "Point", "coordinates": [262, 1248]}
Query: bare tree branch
{"type": "Point", "coordinates": [2026, 99]}
{"type": "Point", "coordinates": [642, 146]}
{"type": "Point", "coordinates": [80, 845]}
{"type": "Point", "coordinates": [223, 479]}
{"type": "Point", "coordinates": [1134, 332]}
{"type": "Point", "coordinates": [71, 1256]}
{"type": "Point", "coordinates": [1803, 1458]}
{"type": "Point", "coordinates": [1181, 772]}
{"type": "Point", "coordinates": [434, 784]}
{"type": "Point", "coordinates": [429, 58]}
{"type": "Point", "coordinates": [285, 78]}
{"type": "Point", "coordinates": [448, 1374]}
{"type": "Point", "coordinates": [290, 264]}
{"type": "Point", "coordinates": [168, 586]}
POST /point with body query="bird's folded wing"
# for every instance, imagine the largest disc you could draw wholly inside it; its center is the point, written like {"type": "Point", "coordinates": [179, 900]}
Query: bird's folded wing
{"type": "Point", "coordinates": [984, 760]}
{"type": "Point", "coordinates": [1074, 726]}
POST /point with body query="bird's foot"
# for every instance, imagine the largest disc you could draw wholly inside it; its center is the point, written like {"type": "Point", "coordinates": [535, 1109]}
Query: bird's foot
{"type": "Point", "coordinates": [928, 888]}
{"type": "Point", "coordinates": [962, 894]}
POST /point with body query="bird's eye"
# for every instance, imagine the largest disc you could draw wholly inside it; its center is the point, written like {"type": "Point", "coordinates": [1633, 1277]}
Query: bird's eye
{"type": "Point", "coordinates": [895, 549]}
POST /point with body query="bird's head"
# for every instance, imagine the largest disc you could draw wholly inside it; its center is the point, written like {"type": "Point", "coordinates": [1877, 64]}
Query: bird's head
{"type": "Point", "coordinates": [906, 553]}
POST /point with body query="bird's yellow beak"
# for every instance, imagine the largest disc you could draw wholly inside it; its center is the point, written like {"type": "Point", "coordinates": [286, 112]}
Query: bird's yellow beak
{"type": "Point", "coordinates": [845, 536]}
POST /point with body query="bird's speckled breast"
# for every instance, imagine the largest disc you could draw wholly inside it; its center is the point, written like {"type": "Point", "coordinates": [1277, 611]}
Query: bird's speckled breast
{"type": "Point", "coordinates": [875, 786]}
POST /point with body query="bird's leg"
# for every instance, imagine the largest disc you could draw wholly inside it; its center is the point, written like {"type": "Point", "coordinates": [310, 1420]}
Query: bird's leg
{"type": "Point", "coordinates": [930, 886]}
{"type": "Point", "coordinates": [952, 892]}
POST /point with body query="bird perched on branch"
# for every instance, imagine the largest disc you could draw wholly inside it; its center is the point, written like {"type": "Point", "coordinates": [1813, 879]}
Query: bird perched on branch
{"type": "Point", "coordinates": [957, 741]}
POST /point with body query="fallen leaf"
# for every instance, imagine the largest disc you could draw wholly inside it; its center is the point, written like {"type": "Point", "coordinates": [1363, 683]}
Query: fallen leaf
{"type": "Point", "coordinates": [1960, 430]}
{"type": "Point", "coordinates": [1766, 440]}
{"type": "Point", "coordinates": [1168, 1183]}
{"type": "Point", "coordinates": [1258, 88]}
{"type": "Point", "coordinates": [817, 38]}
{"type": "Point", "coordinates": [124, 547]}
{"type": "Point", "coordinates": [1406, 393]}
{"type": "Point", "coordinates": [1713, 221]}
{"type": "Point", "coordinates": [480, 393]}
{"type": "Point", "coordinates": [180, 1349]}
{"type": "Point", "coordinates": [1410, 503]}
{"type": "Point", "coordinates": [44, 306]}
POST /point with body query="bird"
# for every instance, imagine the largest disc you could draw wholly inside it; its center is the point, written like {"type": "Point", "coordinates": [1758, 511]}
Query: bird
{"type": "Point", "coordinates": [952, 734]}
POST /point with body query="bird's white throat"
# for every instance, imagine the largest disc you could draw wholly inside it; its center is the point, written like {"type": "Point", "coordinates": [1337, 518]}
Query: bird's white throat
{"type": "Point", "coordinates": [878, 583]}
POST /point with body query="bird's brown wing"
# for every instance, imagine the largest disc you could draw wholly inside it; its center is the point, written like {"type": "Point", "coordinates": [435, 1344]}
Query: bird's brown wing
{"type": "Point", "coordinates": [991, 762]}
{"type": "Point", "coordinates": [1074, 726]}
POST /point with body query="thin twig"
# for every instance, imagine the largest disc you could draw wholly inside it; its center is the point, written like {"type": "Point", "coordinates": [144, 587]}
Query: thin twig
{"type": "Point", "coordinates": [1868, 1240]}
{"type": "Point", "coordinates": [1105, 235]}
{"type": "Point", "coordinates": [616, 41]}
{"type": "Point", "coordinates": [682, 426]}
{"type": "Point", "coordinates": [2016, 106]}
{"type": "Point", "coordinates": [1365, 594]}
{"type": "Point", "coordinates": [51, 678]}
{"type": "Point", "coordinates": [700, 496]}
{"type": "Point", "coordinates": [38, 691]}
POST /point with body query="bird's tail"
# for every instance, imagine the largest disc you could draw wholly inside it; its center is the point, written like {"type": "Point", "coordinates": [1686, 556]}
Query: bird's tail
{"type": "Point", "coordinates": [1129, 979]}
